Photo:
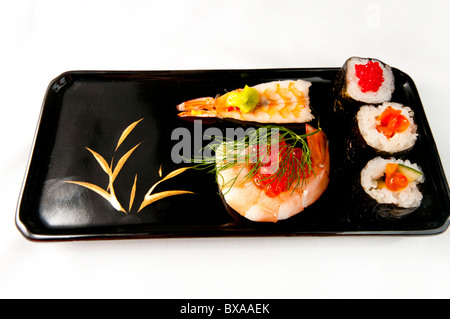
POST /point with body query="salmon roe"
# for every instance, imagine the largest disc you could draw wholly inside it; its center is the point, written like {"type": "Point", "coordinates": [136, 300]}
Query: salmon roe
{"type": "Point", "coordinates": [394, 180]}
{"type": "Point", "coordinates": [370, 76]}
{"type": "Point", "coordinates": [391, 121]}
{"type": "Point", "coordinates": [271, 176]}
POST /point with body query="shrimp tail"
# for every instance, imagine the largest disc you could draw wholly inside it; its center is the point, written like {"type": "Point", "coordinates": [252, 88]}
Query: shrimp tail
{"type": "Point", "coordinates": [200, 107]}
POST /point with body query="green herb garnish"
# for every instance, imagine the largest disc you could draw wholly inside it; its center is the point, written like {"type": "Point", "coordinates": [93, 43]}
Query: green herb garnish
{"type": "Point", "coordinates": [269, 148]}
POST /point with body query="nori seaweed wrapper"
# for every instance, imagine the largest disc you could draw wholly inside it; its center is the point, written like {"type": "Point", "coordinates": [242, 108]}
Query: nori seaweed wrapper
{"type": "Point", "coordinates": [344, 104]}
{"type": "Point", "coordinates": [366, 209]}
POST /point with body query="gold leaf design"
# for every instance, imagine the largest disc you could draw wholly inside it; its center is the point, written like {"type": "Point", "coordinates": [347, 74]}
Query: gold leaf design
{"type": "Point", "coordinates": [155, 197]}
{"type": "Point", "coordinates": [110, 197]}
{"type": "Point", "coordinates": [170, 175]}
{"type": "Point", "coordinates": [150, 198]}
{"type": "Point", "coordinates": [109, 193]}
{"type": "Point", "coordinates": [133, 193]}
{"type": "Point", "coordinates": [104, 165]}
{"type": "Point", "coordinates": [121, 162]}
{"type": "Point", "coordinates": [126, 132]}
{"type": "Point", "coordinates": [112, 172]}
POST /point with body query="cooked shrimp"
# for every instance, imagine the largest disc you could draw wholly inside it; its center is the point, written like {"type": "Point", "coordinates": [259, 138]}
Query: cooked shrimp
{"type": "Point", "coordinates": [252, 202]}
{"type": "Point", "coordinates": [273, 102]}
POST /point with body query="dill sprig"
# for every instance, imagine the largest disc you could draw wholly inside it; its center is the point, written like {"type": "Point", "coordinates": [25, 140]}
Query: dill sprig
{"type": "Point", "coordinates": [270, 147]}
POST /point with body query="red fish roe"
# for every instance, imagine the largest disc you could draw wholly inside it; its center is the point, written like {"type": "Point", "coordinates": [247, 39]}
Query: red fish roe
{"type": "Point", "coordinates": [274, 182]}
{"type": "Point", "coordinates": [392, 121]}
{"type": "Point", "coordinates": [394, 180]}
{"type": "Point", "coordinates": [370, 76]}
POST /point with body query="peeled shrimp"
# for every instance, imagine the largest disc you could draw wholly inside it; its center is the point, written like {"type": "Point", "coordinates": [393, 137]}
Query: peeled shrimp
{"type": "Point", "coordinates": [279, 102]}
{"type": "Point", "coordinates": [250, 201]}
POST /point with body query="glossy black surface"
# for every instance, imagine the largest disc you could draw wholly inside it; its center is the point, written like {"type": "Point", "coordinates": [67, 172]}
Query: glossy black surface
{"type": "Point", "coordinates": [91, 109]}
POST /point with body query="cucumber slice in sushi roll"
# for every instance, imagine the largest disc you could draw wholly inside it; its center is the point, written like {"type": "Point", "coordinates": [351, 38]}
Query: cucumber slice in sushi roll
{"type": "Point", "coordinates": [392, 186]}
{"type": "Point", "coordinates": [362, 81]}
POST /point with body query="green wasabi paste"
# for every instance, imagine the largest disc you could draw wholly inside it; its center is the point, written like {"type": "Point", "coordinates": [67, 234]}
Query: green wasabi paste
{"type": "Point", "coordinates": [246, 100]}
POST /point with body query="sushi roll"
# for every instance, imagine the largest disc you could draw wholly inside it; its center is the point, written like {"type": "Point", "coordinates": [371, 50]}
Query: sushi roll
{"type": "Point", "coordinates": [362, 81]}
{"type": "Point", "coordinates": [386, 130]}
{"type": "Point", "coordinates": [391, 187]}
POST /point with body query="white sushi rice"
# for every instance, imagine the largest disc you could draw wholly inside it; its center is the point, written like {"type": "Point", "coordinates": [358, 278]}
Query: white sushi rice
{"type": "Point", "coordinates": [383, 94]}
{"type": "Point", "coordinates": [367, 122]}
{"type": "Point", "coordinates": [406, 198]}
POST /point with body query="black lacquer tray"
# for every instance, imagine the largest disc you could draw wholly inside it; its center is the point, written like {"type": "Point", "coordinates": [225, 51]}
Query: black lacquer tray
{"type": "Point", "coordinates": [85, 113]}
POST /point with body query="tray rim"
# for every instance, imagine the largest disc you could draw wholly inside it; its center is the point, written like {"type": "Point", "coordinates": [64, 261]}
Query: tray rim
{"type": "Point", "coordinates": [23, 229]}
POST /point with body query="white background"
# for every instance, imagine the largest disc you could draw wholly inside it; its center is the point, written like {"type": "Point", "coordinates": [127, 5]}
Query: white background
{"type": "Point", "coordinates": [41, 39]}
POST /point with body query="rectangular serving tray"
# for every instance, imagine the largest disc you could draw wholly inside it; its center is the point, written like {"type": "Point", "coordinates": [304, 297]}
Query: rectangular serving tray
{"type": "Point", "coordinates": [84, 114]}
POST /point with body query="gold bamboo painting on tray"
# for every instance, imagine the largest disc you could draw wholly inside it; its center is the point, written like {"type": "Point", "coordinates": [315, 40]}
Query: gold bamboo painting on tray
{"type": "Point", "coordinates": [113, 169]}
